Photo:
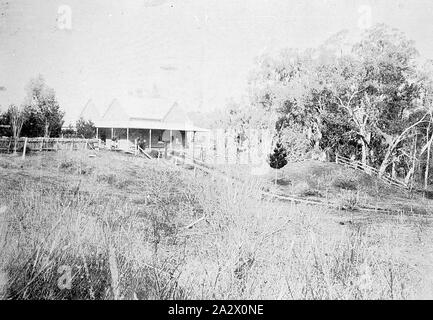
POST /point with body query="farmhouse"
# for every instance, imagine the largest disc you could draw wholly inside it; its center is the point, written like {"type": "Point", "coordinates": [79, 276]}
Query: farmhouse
{"type": "Point", "coordinates": [153, 123]}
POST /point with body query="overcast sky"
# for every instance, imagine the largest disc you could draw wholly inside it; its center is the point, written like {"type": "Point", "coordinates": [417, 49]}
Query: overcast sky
{"type": "Point", "coordinates": [195, 51]}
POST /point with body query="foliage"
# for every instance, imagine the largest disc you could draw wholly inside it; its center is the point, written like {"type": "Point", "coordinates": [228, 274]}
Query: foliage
{"type": "Point", "coordinates": [17, 117]}
{"type": "Point", "coordinates": [85, 128]}
{"type": "Point", "coordinates": [69, 132]}
{"type": "Point", "coordinates": [355, 95]}
{"type": "Point", "coordinates": [295, 142]}
{"type": "Point", "coordinates": [4, 124]}
{"type": "Point", "coordinates": [44, 116]}
{"type": "Point", "coordinates": [364, 95]}
{"type": "Point", "coordinates": [278, 159]}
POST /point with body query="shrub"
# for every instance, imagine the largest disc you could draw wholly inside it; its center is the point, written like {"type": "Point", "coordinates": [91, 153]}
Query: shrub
{"type": "Point", "coordinates": [303, 189]}
{"type": "Point", "coordinates": [154, 153]}
{"type": "Point", "coordinates": [349, 200]}
{"type": "Point", "coordinates": [345, 182]}
{"type": "Point", "coordinates": [85, 128]}
{"type": "Point", "coordinates": [107, 178]}
{"type": "Point", "coordinates": [66, 164]}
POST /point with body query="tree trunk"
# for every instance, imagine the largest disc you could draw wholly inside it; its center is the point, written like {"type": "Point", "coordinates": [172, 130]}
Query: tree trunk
{"type": "Point", "coordinates": [411, 172]}
{"type": "Point", "coordinates": [393, 142]}
{"type": "Point", "coordinates": [409, 175]}
{"type": "Point", "coordinates": [413, 157]}
{"type": "Point", "coordinates": [364, 152]}
{"type": "Point", "coordinates": [15, 144]}
{"type": "Point", "coordinates": [385, 162]}
{"type": "Point", "coordinates": [46, 133]}
{"type": "Point", "coordinates": [427, 167]}
{"type": "Point", "coordinates": [365, 141]}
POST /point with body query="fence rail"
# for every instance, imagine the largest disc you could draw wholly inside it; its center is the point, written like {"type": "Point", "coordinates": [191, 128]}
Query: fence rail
{"type": "Point", "coordinates": [217, 173]}
{"type": "Point", "coordinates": [46, 144]}
{"type": "Point", "coordinates": [358, 165]}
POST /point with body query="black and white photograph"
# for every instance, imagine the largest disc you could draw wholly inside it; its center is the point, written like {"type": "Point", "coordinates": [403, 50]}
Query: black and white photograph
{"type": "Point", "coordinates": [216, 150]}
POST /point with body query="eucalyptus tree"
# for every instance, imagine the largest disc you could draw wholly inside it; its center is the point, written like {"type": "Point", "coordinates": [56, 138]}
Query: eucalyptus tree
{"type": "Point", "coordinates": [375, 87]}
{"type": "Point", "coordinates": [45, 118]}
{"type": "Point", "coordinates": [289, 87]}
{"type": "Point", "coordinates": [362, 95]}
{"type": "Point", "coordinates": [426, 100]}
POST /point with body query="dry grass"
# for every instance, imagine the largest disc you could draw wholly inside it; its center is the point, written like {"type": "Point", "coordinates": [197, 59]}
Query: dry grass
{"type": "Point", "coordinates": [119, 225]}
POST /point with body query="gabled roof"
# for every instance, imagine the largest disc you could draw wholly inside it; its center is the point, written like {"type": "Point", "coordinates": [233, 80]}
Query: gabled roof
{"type": "Point", "coordinates": [139, 108]}
{"type": "Point", "coordinates": [149, 124]}
{"type": "Point", "coordinates": [90, 112]}
{"type": "Point", "coordinates": [145, 112]}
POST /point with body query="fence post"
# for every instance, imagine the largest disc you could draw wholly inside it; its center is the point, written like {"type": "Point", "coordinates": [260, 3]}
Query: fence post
{"type": "Point", "coordinates": [24, 148]}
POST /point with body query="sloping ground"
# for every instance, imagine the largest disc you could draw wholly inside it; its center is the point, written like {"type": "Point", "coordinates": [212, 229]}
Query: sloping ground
{"type": "Point", "coordinates": [337, 186]}
{"type": "Point", "coordinates": [332, 182]}
{"type": "Point", "coordinates": [63, 208]}
{"type": "Point", "coordinates": [79, 209]}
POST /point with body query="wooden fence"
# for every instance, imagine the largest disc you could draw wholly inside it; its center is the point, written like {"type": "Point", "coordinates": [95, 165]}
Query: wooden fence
{"type": "Point", "coordinates": [46, 144]}
{"type": "Point", "coordinates": [358, 165]}
{"type": "Point", "coordinates": [217, 173]}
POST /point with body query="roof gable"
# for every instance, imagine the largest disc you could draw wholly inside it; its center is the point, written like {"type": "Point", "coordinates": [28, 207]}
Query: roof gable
{"type": "Point", "coordinates": [154, 108]}
{"type": "Point", "coordinates": [90, 112]}
{"type": "Point", "coordinates": [176, 114]}
{"type": "Point", "coordinates": [115, 112]}
{"type": "Point", "coordinates": [150, 113]}
{"type": "Point", "coordinates": [138, 108]}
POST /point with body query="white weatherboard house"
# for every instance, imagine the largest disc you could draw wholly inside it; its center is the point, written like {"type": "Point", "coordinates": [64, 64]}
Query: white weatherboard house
{"type": "Point", "coordinates": [155, 121]}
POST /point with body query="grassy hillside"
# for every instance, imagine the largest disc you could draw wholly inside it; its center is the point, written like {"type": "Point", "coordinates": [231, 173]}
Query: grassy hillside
{"type": "Point", "coordinates": [130, 228]}
{"type": "Point", "coordinates": [338, 186]}
{"type": "Point", "coordinates": [348, 187]}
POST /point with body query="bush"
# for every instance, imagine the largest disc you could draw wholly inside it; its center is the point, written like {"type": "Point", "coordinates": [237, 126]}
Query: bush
{"type": "Point", "coordinates": [154, 153]}
{"type": "Point", "coordinates": [349, 200]}
{"type": "Point", "coordinates": [107, 178]}
{"type": "Point", "coordinates": [85, 129]}
{"type": "Point", "coordinates": [345, 182]}
{"type": "Point", "coordinates": [304, 190]}
{"type": "Point", "coordinates": [75, 167]}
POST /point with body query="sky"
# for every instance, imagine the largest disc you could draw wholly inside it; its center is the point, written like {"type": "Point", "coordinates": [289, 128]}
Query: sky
{"type": "Point", "coordinates": [198, 52]}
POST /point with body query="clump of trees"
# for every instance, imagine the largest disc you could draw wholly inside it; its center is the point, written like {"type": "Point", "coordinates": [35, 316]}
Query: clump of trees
{"type": "Point", "coordinates": [85, 128]}
{"type": "Point", "coordinates": [44, 116]}
{"type": "Point", "coordinates": [39, 115]}
{"type": "Point", "coordinates": [366, 96]}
